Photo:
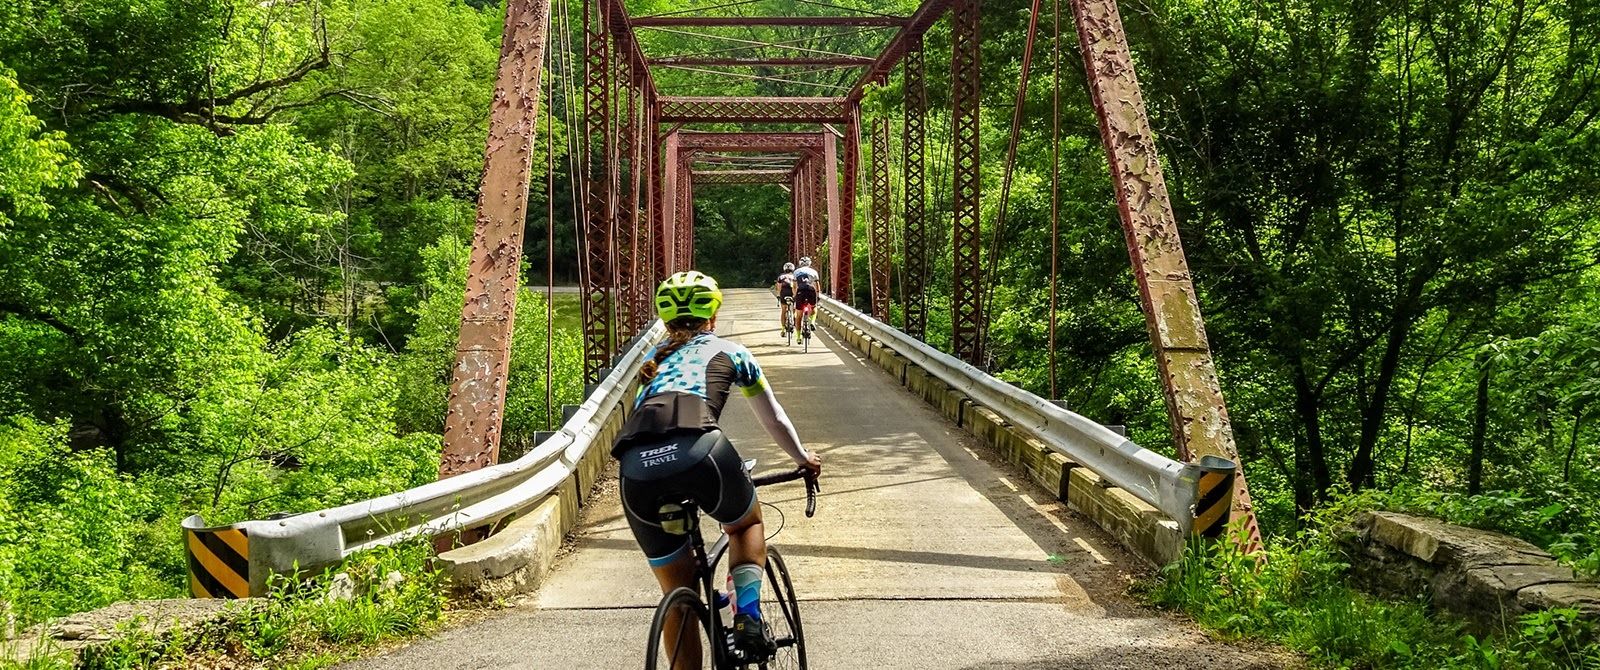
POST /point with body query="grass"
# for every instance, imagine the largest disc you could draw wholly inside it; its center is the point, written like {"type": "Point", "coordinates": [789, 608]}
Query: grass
{"type": "Point", "coordinates": [1299, 598]}
{"type": "Point", "coordinates": [297, 626]}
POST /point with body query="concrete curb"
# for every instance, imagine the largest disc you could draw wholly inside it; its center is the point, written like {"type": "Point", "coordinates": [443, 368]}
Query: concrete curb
{"type": "Point", "coordinates": [1141, 528]}
{"type": "Point", "coordinates": [516, 558]}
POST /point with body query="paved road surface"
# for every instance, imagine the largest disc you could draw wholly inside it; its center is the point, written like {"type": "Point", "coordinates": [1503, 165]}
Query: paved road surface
{"type": "Point", "coordinates": [924, 552]}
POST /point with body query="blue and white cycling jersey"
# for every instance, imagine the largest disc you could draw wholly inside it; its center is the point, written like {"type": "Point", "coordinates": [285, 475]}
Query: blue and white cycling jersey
{"type": "Point", "coordinates": [691, 387]}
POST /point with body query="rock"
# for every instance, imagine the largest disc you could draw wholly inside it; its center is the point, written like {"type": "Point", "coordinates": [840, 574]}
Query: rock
{"type": "Point", "coordinates": [76, 633]}
{"type": "Point", "coordinates": [1486, 577]}
{"type": "Point", "coordinates": [341, 587]}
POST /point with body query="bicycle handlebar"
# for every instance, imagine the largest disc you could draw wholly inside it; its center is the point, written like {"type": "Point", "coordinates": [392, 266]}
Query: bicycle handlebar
{"type": "Point", "coordinates": [812, 487]}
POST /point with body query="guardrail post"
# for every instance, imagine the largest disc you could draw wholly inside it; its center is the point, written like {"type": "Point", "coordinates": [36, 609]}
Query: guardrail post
{"type": "Point", "coordinates": [1213, 496]}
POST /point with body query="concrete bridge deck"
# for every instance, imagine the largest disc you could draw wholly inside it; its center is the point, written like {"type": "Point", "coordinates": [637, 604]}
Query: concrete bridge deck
{"type": "Point", "coordinates": [925, 551]}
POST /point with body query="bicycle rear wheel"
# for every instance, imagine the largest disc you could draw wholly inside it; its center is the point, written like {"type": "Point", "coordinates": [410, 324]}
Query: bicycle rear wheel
{"type": "Point", "coordinates": [680, 634]}
{"type": "Point", "coordinates": [781, 610]}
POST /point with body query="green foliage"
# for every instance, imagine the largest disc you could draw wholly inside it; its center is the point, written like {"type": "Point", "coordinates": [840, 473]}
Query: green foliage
{"type": "Point", "coordinates": [30, 160]}
{"type": "Point", "coordinates": [297, 625]}
{"type": "Point", "coordinates": [1298, 597]}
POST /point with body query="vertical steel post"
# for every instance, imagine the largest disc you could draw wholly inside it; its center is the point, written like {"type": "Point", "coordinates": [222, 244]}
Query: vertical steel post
{"type": "Point", "coordinates": [598, 317]}
{"type": "Point", "coordinates": [623, 169]}
{"type": "Point", "coordinates": [685, 217]}
{"type": "Point", "coordinates": [842, 244]}
{"type": "Point", "coordinates": [835, 213]}
{"type": "Point", "coordinates": [967, 178]}
{"type": "Point", "coordinates": [1195, 406]}
{"type": "Point", "coordinates": [672, 153]}
{"type": "Point", "coordinates": [658, 199]}
{"type": "Point", "coordinates": [912, 146]}
{"type": "Point", "coordinates": [881, 241]}
{"type": "Point", "coordinates": [483, 352]}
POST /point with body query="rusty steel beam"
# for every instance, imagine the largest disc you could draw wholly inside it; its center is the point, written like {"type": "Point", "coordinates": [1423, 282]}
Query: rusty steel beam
{"type": "Point", "coordinates": [841, 243]}
{"type": "Point", "coordinates": [762, 21]}
{"type": "Point", "coordinates": [828, 172]}
{"type": "Point", "coordinates": [685, 217]}
{"type": "Point", "coordinates": [644, 169]}
{"type": "Point", "coordinates": [735, 177]}
{"type": "Point", "coordinates": [809, 61]}
{"type": "Point", "coordinates": [1195, 406]}
{"type": "Point", "coordinates": [671, 155]}
{"type": "Point", "coordinates": [913, 143]}
{"type": "Point", "coordinates": [658, 199]}
{"type": "Point", "coordinates": [928, 13]}
{"type": "Point", "coordinates": [881, 242]}
{"type": "Point", "coordinates": [483, 353]}
{"type": "Point", "coordinates": [701, 109]}
{"type": "Point", "coordinates": [599, 247]}
{"type": "Point", "coordinates": [965, 94]}
{"type": "Point", "coordinates": [751, 142]}
{"type": "Point", "coordinates": [627, 208]}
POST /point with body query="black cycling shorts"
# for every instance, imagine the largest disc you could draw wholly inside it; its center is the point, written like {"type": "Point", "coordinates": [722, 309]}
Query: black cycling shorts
{"type": "Point", "coordinates": [703, 467]}
{"type": "Point", "coordinates": [806, 296]}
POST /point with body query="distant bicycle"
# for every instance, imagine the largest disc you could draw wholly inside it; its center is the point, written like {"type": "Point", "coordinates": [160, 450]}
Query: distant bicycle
{"type": "Point", "coordinates": [805, 322]}
{"type": "Point", "coordinates": [697, 627]}
{"type": "Point", "coordinates": [788, 321]}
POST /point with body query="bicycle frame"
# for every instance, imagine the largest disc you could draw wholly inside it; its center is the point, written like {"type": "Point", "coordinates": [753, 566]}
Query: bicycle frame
{"type": "Point", "coordinates": [705, 565]}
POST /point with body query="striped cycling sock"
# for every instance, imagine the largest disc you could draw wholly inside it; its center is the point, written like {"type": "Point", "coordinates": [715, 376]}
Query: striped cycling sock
{"type": "Point", "coordinates": [747, 589]}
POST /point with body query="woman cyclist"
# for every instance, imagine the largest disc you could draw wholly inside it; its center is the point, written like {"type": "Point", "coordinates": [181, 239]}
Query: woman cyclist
{"type": "Point", "coordinates": [671, 447]}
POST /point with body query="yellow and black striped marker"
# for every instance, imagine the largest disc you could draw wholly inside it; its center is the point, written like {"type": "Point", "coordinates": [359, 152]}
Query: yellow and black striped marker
{"type": "Point", "coordinates": [1212, 504]}
{"type": "Point", "coordinates": [219, 563]}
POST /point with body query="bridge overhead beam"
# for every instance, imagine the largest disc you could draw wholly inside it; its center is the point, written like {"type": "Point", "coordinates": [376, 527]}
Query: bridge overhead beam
{"type": "Point", "coordinates": [810, 61]}
{"type": "Point", "coordinates": [694, 109]}
{"type": "Point", "coordinates": [910, 35]}
{"type": "Point", "coordinates": [964, 106]}
{"type": "Point", "coordinates": [912, 147]}
{"type": "Point", "coordinates": [751, 142]}
{"type": "Point", "coordinates": [1195, 406]}
{"type": "Point", "coordinates": [483, 356]}
{"type": "Point", "coordinates": [775, 21]}
{"type": "Point", "coordinates": [735, 177]}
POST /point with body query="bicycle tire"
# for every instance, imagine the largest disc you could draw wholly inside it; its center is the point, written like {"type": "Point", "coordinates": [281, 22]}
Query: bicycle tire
{"type": "Point", "coordinates": [688, 602]}
{"type": "Point", "coordinates": [781, 609]}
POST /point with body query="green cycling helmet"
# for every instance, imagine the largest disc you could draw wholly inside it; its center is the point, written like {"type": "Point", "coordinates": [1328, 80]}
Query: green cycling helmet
{"type": "Point", "coordinates": [691, 294]}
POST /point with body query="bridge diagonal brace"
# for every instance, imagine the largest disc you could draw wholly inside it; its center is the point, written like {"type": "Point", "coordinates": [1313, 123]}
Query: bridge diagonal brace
{"type": "Point", "coordinates": [1195, 406]}
{"type": "Point", "coordinates": [477, 397]}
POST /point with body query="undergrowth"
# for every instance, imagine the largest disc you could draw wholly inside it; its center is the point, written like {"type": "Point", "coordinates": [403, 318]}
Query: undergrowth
{"type": "Point", "coordinates": [298, 625]}
{"type": "Point", "coordinates": [1299, 597]}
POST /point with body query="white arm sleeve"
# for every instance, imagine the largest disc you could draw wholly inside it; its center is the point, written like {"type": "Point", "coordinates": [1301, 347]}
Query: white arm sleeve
{"type": "Point", "coordinates": [773, 418]}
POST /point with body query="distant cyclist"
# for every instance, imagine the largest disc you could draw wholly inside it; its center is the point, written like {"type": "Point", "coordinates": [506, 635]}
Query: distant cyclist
{"type": "Point", "coordinates": [806, 282]}
{"type": "Point", "coordinates": [672, 446]}
{"type": "Point", "coordinates": [784, 289]}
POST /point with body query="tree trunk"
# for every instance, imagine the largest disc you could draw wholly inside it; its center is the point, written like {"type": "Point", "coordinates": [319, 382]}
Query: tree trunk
{"type": "Point", "coordinates": [1572, 444]}
{"type": "Point", "coordinates": [1307, 407]}
{"type": "Point", "coordinates": [1363, 470]}
{"type": "Point", "coordinates": [1480, 426]}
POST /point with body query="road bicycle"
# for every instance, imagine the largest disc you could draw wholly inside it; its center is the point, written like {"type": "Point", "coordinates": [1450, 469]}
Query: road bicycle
{"type": "Point", "coordinates": [788, 320]}
{"type": "Point", "coordinates": [805, 324]}
{"type": "Point", "coordinates": [699, 628]}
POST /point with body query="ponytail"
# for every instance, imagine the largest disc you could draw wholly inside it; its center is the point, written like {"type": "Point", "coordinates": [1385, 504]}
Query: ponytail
{"type": "Point", "coordinates": [679, 332]}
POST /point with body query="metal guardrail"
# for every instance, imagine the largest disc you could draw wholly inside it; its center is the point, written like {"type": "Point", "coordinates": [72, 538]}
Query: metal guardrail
{"type": "Point", "coordinates": [1166, 484]}
{"type": "Point", "coordinates": [313, 540]}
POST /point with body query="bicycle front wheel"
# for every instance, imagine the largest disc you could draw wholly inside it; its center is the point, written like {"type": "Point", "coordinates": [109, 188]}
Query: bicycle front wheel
{"type": "Point", "coordinates": [680, 635]}
{"type": "Point", "coordinates": [781, 610]}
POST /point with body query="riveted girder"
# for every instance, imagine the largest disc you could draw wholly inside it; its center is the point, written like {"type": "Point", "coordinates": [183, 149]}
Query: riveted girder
{"type": "Point", "coordinates": [751, 142]}
{"type": "Point", "coordinates": [912, 147]}
{"type": "Point", "coordinates": [681, 109]}
{"type": "Point", "coordinates": [483, 353]}
{"type": "Point", "coordinates": [964, 93]}
{"type": "Point", "coordinates": [881, 242]}
{"type": "Point", "coordinates": [1195, 406]}
{"type": "Point", "coordinates": [733, 177]}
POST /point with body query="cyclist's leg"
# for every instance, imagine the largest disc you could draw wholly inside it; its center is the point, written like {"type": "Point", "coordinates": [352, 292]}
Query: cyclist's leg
{"type": "Point", "coordinates": [740, 515]}
{"type": "Point", "coordinates": [670, 560]}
